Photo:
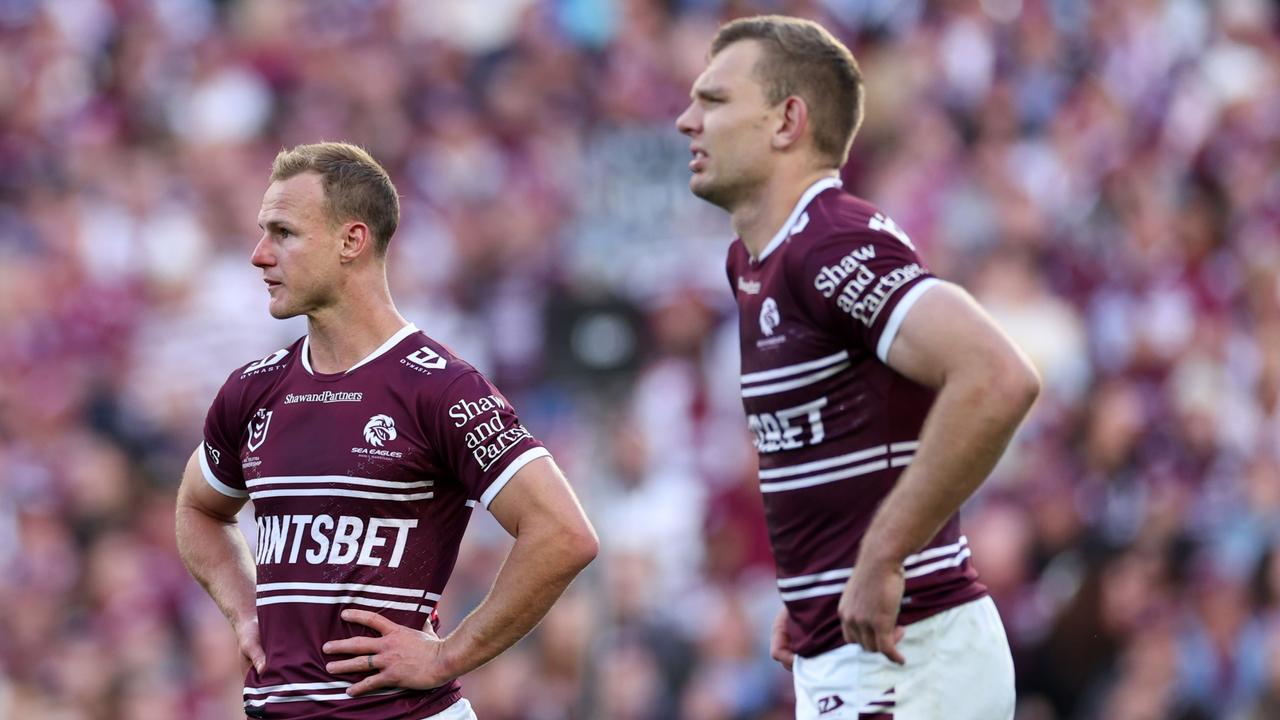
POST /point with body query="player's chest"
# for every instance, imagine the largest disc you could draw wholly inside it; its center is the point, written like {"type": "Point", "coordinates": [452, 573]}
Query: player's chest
{"type": "Point", "coordinates": [774, 329]}
{"type": "Point", "coordinates": [312, 431]}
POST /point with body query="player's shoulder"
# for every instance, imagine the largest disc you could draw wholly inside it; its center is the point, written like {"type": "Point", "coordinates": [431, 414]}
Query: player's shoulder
{"type": "Point", "coordinates": [428, 363]}
{"type": "Point", "coordinates": [264, 371]}
{"type": "Point", "coordinates": [836, 217]}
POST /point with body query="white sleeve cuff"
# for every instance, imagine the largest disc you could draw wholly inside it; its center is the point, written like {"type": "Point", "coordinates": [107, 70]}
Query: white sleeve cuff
{"type": "Point", "coordinates": [513, 467]}
{"type": "Point", "coordinates": [899, 314]}
{"type": "Point", "coordinates": [213, 480]}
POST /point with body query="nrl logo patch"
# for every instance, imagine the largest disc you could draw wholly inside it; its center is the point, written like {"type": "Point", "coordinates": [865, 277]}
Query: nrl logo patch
{"type": "Point", "coordinates": [258, 428]}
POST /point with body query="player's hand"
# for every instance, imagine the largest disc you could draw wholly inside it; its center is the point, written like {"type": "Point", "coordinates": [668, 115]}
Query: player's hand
{"type": "Point", "coordinates": [780, 641]}
{"type": "Point", "coordinates": [251, 652]}
{"type": "Point", "coordinates": [400, 657]}
{"type": "Point", "coordinates": [869, 608]}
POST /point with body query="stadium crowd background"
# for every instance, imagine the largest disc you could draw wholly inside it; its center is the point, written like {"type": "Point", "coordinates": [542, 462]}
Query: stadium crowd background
{"type": "Point", "coordinates": [1102, 175]}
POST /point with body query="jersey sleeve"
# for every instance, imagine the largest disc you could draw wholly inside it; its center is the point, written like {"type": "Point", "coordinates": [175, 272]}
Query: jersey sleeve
{"type": "Point", "coordinates": [220, 451]}
{"type": "Point", "coordinates": [862, 284]}
{"type": "Point", "coordinates": [479, 438]}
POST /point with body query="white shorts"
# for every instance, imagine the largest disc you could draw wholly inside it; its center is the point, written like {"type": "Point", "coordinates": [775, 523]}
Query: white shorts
{"type": "Point", "coordinates": [460, 710]}
{"type": "Point", "coordinates": [958, 667]}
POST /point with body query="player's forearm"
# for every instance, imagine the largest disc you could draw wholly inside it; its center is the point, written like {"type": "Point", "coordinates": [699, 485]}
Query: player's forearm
{"type": "Point", "coordinates": [972, 420]}
{"type": "Point", "coordinates": [540, 566]}
{"type": "Point", "coordinates": [217, 556]}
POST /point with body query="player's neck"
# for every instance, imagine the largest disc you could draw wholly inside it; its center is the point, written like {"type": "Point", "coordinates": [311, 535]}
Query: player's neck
{"type": "Point", "coordinates": [341, 335]}
{"type": "Point", "coordinates": [758, 220]}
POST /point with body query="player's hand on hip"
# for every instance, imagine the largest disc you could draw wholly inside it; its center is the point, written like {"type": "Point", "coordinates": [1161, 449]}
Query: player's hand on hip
{"type": "Point", "coordinates": [780, 641]}
{"type": "Point", "coordinates": [869, 608]}
{"type": "Point", "coordinates": [399, 657]}
{"type": "Point", "coordinates": [251, 652]}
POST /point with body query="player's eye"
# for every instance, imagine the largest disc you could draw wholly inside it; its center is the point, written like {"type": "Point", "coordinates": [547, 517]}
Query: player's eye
{"type": "Point", "coordinates": [284, 232]}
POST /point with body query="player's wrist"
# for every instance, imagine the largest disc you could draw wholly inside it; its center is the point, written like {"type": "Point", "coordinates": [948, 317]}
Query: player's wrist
{"type": "Point", "coordinates": [881, 557]}
{"type": "Point", "coordinates": [448, 660]}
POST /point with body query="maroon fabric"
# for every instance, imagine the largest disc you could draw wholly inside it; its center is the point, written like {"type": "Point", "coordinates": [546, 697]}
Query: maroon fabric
{"type": "Point", "coordinates": [362, 485]}
{"type": "Point", "coordinates": [834, 426]}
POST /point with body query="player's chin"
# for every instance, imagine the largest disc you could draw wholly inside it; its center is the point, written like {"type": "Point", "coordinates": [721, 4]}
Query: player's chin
{"type": "Point", "coordinates": [280, 309]}
{"type": "Point", "coordinates": [703, 188]}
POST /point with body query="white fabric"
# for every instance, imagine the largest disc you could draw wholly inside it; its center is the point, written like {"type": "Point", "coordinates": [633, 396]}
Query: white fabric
{"type": "Point", "coordinates": [958, 666]}
{"type": "Point", "coordinates": [460, 710]}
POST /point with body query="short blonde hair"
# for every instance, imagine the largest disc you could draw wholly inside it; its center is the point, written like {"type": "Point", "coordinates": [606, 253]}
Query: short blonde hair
{"type": "Point", "coordinates": [801, 58]}
{"type": "Point", "coordinates": [356, 187]}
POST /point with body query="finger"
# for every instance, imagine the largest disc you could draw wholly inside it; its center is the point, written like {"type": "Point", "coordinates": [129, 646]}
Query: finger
{"type": "Point", "coordinates": [361, 645]}
{"type": "Point", "coordinates": [850, 632]}
{"type": "Point", "coordinates": [352, 666]}
{"type": "Point", "coordinates": [257, 657]}
{"type": "Point", "coordinates": [369, 684]}
{"type": "Point", "coordinates": [369, 619]}
{"type": "Point", "coordinates": [866, 637]}
{"type": "Point", "coordinates": [888, 645]}
{"type": "Point", "coordinates": [784, 656]}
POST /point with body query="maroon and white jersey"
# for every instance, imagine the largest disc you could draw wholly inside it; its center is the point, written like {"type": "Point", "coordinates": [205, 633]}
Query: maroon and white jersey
{"type": "Point", "coordinates": [834, 425]}
{"type": "Point", "coordinates": [362, 485]}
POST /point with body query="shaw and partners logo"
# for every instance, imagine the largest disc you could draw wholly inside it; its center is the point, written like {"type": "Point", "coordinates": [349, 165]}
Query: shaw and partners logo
{"type": "Point", "coordinates": [258, 428]}
{"type": "Point", "coordinates": [328, 396]}
{"type": "Point", "coordinates": [488, 436]}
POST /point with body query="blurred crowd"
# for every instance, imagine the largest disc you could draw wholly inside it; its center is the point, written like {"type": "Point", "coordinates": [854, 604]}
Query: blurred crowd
{"type": "Point", "coordinates": [1104, 176]}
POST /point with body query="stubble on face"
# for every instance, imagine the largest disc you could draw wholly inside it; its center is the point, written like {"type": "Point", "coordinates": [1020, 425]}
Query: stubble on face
{"type": "Point", "coordinates": [734, 114]}
{"type": "Point", "coordinates": [296, 205]}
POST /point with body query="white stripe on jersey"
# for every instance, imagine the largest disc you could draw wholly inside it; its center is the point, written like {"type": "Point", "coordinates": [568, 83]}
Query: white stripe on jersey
{"type": "Point", "coordinates": [259, 702]}
{"type": "Point", "coordinates": [338, 600]}
{"type": "Point", "coordinates": [833, 589]}
{"type": "Point", "coordinates": [337, 479]}
{"type": "Point", "coordinates": [940, 565]}
{"type": "Point", "coordinates": [853, 457]}
{"type": "Point", "coordinates": [338, 492]}
{"type": "Point", "coordinates": [296, 686]}
{"type": "Point", "coordinates": [873, 459]}
{"type": "Point", "coordinates": [890, 332]}
{"type": "Point", "coordinates": [213, 480]}
{"type": "Point", "coordinates": [932, 553]}
{"type": "Point", "coordinates": [799, 382]}
{"type": "Point", "coordinates": [841, 574]}
{"type": "Point", "coordinates": [951, 556]}
{"type": "Point", "coordinates": [855, 471]}
{"type": "Point", "coordinates": [357, 587]}
{"type": "Point", "coordinates": [796, 369]}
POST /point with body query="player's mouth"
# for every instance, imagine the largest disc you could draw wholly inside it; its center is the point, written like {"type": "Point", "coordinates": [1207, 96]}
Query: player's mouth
{"type": "Point", "coordinates": [699, 160]}
{"type": "Point", "coordinates": [272, 284]}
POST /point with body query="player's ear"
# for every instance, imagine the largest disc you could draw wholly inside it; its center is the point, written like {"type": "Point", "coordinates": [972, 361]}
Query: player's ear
{"type": "Point", "coordinates": [791, 121]}
{"type": "Point", "coordinates": [356, 241]}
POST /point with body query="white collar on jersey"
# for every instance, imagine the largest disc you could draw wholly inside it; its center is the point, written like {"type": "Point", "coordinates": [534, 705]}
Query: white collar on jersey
{"type": "Point", "coordinates": [391, 342]}
{"type": "Point", "coordinates": [788, 227]}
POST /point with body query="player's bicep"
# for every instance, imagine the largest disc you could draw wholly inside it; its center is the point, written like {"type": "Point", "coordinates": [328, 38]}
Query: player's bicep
{"type": "Point", "coordinates": [944, 331]}
{"type": "Point", "coordinates": [538, 495]}
{"type": "Point", "coordinates": [197, 493]}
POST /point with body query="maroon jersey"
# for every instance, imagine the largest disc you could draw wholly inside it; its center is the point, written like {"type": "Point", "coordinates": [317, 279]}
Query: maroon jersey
{"type": "Point", "coordinates": [834, 425]}
{"type": "Point", "coordinates": [362, 485]}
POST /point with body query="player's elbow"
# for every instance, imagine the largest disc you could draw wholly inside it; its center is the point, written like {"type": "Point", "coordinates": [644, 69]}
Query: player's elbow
{"type": "Point", "coordinates": [1014, 381]}
{"type": "Point", "coordinates": [582, 545]}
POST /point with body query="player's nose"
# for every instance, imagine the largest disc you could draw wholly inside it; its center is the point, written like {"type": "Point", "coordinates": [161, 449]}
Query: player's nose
{"type": "Point", "coordinates": [261, 256]}
{"type": "Point", "coordinates": [687, 122]}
